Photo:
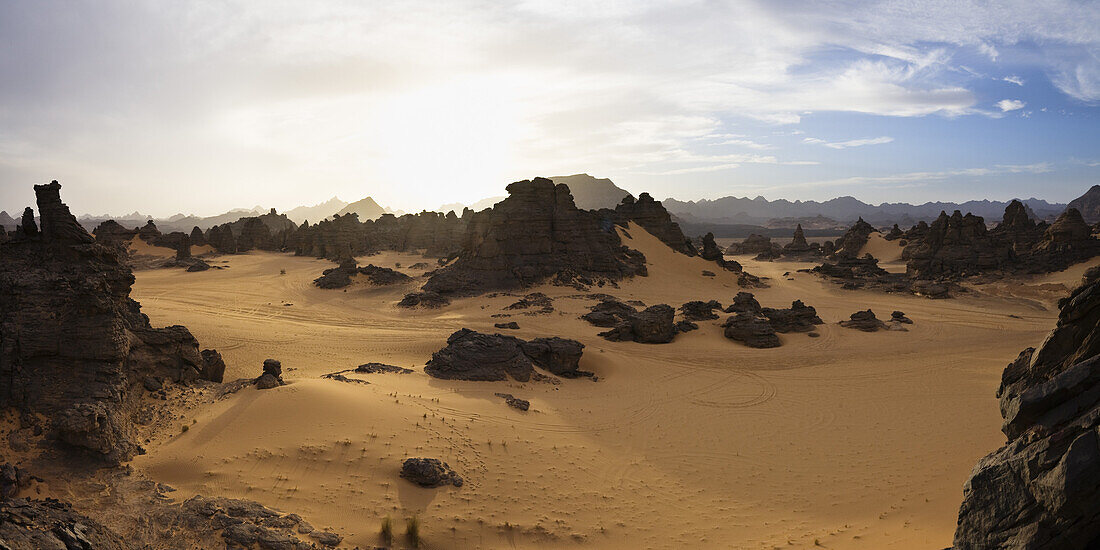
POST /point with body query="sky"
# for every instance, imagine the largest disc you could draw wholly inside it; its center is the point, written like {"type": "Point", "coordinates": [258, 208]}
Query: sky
{"type": "Point", "coordinates": [199, 107]}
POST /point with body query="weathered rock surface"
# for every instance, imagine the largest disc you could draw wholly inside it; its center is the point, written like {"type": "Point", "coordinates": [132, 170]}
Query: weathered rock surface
{"type": "Point", "coordinates": [53, 525]}
{"type": "Point", "coordinates": [514, 402]}
{"type": "Point", "coordinates": [272, 376]}
{"type": "Point", "coordinates": [73, 346]}
{"type": "Point", "coordinates": [744, 302]}
{"type": "Point", "coordinates": [535, 234]}
{"type": "Point", "coordinates": [798, 318]}
{"type": "Point", "coordinates": [339, 277]}
{"type": "Point", "coordinates": [429, 472]}
{"type": "Point", "coordinates": [511, 325]}
{"type": "Point", "coordinates": [853, 240]}
{"type": "Point", "coordinates": [425, 299]}
{"type": "Point", "coordinates": [1041, 489]}
{"type": "Point", "coordinates": [698, 310]}
{"type": "Point", "coordinates": [471, 355]}
{"type": "Point", "coordinates": [756, 245]}
{"type": "Point", "coordinates": [651, 216]}
{"type": "Point", "coordinates": [865, 321]}
{"type": "Point", "coordinates": [751, 329]}
{"type": "Point", "coordinates": [653, 325]}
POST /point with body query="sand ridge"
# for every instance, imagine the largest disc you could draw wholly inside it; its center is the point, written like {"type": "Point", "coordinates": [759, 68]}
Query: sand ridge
{"type": "Point", "coordinates": [852, 440]}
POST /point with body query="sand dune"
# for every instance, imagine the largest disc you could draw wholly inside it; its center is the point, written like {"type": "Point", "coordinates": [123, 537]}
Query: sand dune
{"type": "Point", "coordinates": [850, 440]}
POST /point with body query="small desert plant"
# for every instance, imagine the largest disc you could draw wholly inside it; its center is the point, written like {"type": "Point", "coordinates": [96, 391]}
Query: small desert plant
{"type": "Point", "coordinates": [282, 272]}
{"type": "Point", "coordinates": [412, 531]}
{"type": "Point", "coordinates": [184, 428]}
{"type": "Point", "coordinates": [387, 530]}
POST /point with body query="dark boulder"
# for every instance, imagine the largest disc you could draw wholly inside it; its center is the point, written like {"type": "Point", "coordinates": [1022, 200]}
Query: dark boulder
{"type": "Point", "coordinates": [798, 318]}
{"type": "Point", "coordinates": [752, 330]}
{"type": "Point", "coordinates": [426, 299]}
{"type": "Point", "coordinates": [865, 321]}
{"type": "Point", "coordinates": [429, 472]}
{"type": "Point", "coordinates": [697, 310]}
{"type": "Point", "coordinates": [514, 402]}
{"type": "Point", "coordinates": [744, 302]}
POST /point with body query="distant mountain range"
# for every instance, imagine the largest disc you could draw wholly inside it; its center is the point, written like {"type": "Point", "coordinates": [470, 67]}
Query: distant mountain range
{"type": "Point", "coordinates": [1088, 204]}
{"type": "Point", "coordinates": [845, 210]}
{"type": "Point", "coordinates": [589, 193]}
{"type": "Point", "coordinates": [727, 216]}
{"type": "Point", "coordinates": [317, 212]}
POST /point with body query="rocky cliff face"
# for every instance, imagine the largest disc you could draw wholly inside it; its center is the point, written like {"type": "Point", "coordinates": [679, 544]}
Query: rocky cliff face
{"type": "Point", "coordinates": [534, 234]}
{"type": "Point", "coordinates": [849, 245]}
{"type": "Point", "coordinates": [1042, 489]}
{"type": "Point", "coordinates": [653, 217]}
{"type": "Point", "coordinates": [955, 245]}
{"type": "Point", "coordinates": [959, 246]}
{"type": "Point", "coordinates": [73, 345]}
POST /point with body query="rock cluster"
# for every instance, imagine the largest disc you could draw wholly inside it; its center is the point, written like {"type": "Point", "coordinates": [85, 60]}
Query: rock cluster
{"type": "Point", "coordinates": [425, 299]}
{"type": "Point", "coordinates": [429, 472]}
{"type": "Point", "coordinates": [698, 310]}
{"type": "Point", "coordinates": [339, 277]}
{"type": "Point", "coordinates": [514, 402]}
{"type": "Point", "coordinates": [960, 246]}
{"type": "Point", "coordinates": [1042, 488]}
{"type": "Point", "coordinates": [754, 244]}
{"type": "Point", "coordinates": [74, 347]}
{"type": "Point", "coordinates": [52, 524]}
{"type": "Point", "coordinates": [865, 321]}
{"type": "Point", "coordinates": [652, 325]}
{"type": "Point", "coordinates": [471, 355]}
{"type": "Point", "coordinates": [537, 233]}
{"type": "Point", "coordinates": [756, 326]}
{"type": "Point", "coordinates": [433, 233]}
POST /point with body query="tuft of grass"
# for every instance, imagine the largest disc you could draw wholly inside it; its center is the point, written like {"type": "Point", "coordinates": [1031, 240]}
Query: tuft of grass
{"type": "Point", "coordinates": [387, 531]}
{"type": "Point", "coordinates": [184, 428]}
{"type": "Point", "coordinates": [282, 272]}
{"type": "Point", "coordinates": [412, 531]}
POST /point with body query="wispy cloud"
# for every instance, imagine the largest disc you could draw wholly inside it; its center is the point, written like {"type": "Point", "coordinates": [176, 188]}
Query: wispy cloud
{"type": "Point", "coordinates": [850, 143]}
{"type": "Point", "coordinates": [1014, 80]}
{"type": "Point", "coordinates": [918, 177]}
{"type": "Point", "coordinates": [1006, 105]}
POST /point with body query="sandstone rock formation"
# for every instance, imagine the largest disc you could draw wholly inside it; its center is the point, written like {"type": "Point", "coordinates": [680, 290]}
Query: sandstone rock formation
{"type": "Point", "coordinates": [751, 329]}
{"type": "Point", "coordinates": [853, 240]}
{"type": "Point", "coordinates": [429, 472]}
{"type": "Point", "coordinates": [753, 244]}
{"type": "Point", "coordinates": [471, 355]}
{"type": "Point", "coordinates": [339, 277]}
{"type": "Point", "coordinates": [52, 524]}
{"type": "Point", "coordinates": [73, 345]}
{"type": "Point", "coordinates": [744, 302]}
{"type": "Point", "coordinates": [535, 234]}
{"type": "Point", "coordinates": [272, 376]}
{"type": "Point", "coordinates": [1042, 488]}
{"type": "Point", "coordinates": [698, 310]}
{"type": "Point", "coordinates": [865, 321]}
{"type": "Point", "coordinates": [798, 318]}
{"type": "Point", "coordinates": [651, 216]}
{"type": "Point", "coordinates": [426, 299]}
{"type": "Point", "coordinates": [514, 402]}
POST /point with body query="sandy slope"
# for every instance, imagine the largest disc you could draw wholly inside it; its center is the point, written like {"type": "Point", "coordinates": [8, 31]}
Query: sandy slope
{"type": "Point", "coordinates": [852, 440]}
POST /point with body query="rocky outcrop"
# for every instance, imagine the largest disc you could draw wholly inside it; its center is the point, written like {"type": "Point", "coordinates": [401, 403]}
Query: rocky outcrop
{"type": "Point", "coordinates": [854, 239]}
{"type": "Point", "coordinates": [698, 310]}
{"type": "Point", "coordinates": [865, 321]}
{"type": "Point", "coordinates": [471, 355]}
{"type": "Point", "coordinates": [426, 299]}
{"type": "Point", "coordinates": [272, 376]}
{"type": "Point", "coordinates": [73, 346]}
{"type": "Point", "coordinates": [514, 402]}
{"type": "Point", "coordinates": [799, 248]}
{"type": "Point", "coordinates": [112, 233]}
{"type": "Point", "coordinates": [339, 277]}
{"type": "Point", "coordinates": [754, 244]}
{"type": "Point", "coordinates": [894, 234]}
{"type": "Point", "coordinates": [798, 318]}
{"type": "Point", "coordinates": [955, 246]}
{"type": "Point", "coordinates": [429, 472]}
{"type": "Point", "coordinates": [653, 325]}
{"type": "Point", "coordinates": [1042, 488]}
{"type": "Point", "coordinates": [744, 302]}
{"type": "Point", "coordinates": [52, 524]}
{"type": "Point", "coordinates": [751, 329]}
{"type": "Point", "coordinates": [535, 234]}
{"type": "Point", "coordinates": [1067, 241]}
{"type": "Point", "coordinates": [651, 216]}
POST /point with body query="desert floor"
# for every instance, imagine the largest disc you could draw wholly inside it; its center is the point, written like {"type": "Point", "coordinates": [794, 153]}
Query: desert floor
{"type": "Point", "coordinates": [849, 440]}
